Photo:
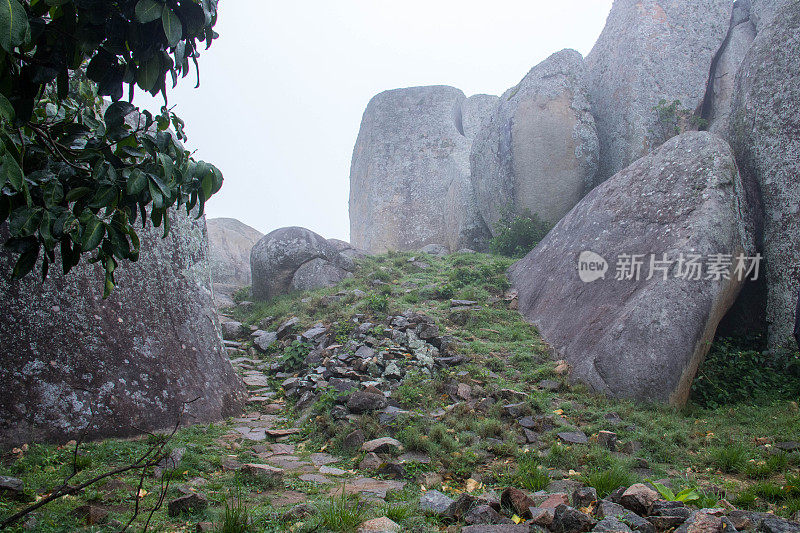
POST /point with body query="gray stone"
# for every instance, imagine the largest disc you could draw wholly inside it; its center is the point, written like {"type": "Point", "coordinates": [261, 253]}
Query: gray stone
{"type": "Point", "coordinates": [497, 528]}
{"type": "Point", "coordinates": [538, 150]}
{"type": "Point", "coordinates": [612, 525]}
{"type": "Point", "coordinates": [642, 338]}
{"type": "Point", "coordinates": [570, 520]}
{"type": "Point", "coordinates": [778, 525]}
{"type": "Point", "coordinates": [229, 245]}
{"type": "Point", "coordinates": [434, 249]}
{"type": "Point", "coordinates": [11, 487]}
{"type": "Point", "coordinates": [638, 498]}
{"type": "Point", "coordinates": [276, 258]}
{"type": "Point", "coordinates": [354, 440]}
{"type": "Point", "coordinates": [649, 51]}
{"type": "Point", "coordinates": [484, 514]}
{"type": "Point", "coordinates": [379, 525]}
{"type": "Point", "coordinates": [584, 497]}
{"type": "Point", "coordinates": [573, 437]}
{"type": "Point", "coordinates": [764, 126]}
{"type": "Point", "coordinates": [119, 366]}
{"type": "Point", "coordinates": [383, 445]}
{"type": "Point", "coordinates": [363, 401]}
{"type": "Point", "coordinates": [318, 274]}
{"type": "Point", "coordinates": [264, 341]}
{"type": "Point", "coordinates": [192, 503]}
{"type": "Point", "coordinates": [475, 110]}
{"type": "Point", "coordinates": [408, 153]}
{"type": "Point", "coordinates": [231, 330]}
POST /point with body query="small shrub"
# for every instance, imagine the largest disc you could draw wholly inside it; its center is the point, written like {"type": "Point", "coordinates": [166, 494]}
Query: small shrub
{"type": "Point", "coordinates": [242, 295]}
{"type": "Point", "coordinates": [515, 236]}
{"type": "Point", "coordinates": [294, 355]}
{"type": "Point", "coordinates": [489, 427]}
{"type": "Point", "coordinates": [674, 119]}
{"type": "Point", "coordinates": [378, 302]}
{"type": "Point", "coordinates": [741, 370]}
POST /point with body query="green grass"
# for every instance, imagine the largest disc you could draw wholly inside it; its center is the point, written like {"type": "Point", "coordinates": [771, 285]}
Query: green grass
{"type": "Point", "coordinates": [607, 480]}
{"type": "Point", "coordinates": [530, 473]}
{"type": "Point", "coordinates": [235, 517]}
{"type": "Point", "coordinates": [730, 458]}
{"type": "Point", "coordinates": [706, 443]}
{"type": "Point", "coordinates": [341, 513]}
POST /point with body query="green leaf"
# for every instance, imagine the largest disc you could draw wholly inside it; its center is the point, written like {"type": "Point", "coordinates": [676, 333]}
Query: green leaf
{"type": "Point", "coordinates": [173, 28]}
{"type": "Point", "coordinates": [136, 182]}
{"type": "Point", "coordinates": [169, 168]}
{"type": "Point", "coordinates": [105, 196]}
{"type": "Point", "coordinates": [148, 73]}
{"type": "Point", "coordinates": [92, 234]}
{"type": "Point", "coordinates": [25, 263]}
{"type": "Point", "coordinates": [116, 113]}
{"type": "Point", "coordinates": [148, 11]}
{"type": "Point", "coordinates": [25, 221]}
{"type": "Point", "coordinates": [6, 109]}
{"type": "Point", "coordinates": [108, 287]}
{"type": "Point", "coordinates": [77, 193]}
{"type": "Point", "coordinates": [14, 27]}
{"type": "Point", "coordinates": [12, 171]}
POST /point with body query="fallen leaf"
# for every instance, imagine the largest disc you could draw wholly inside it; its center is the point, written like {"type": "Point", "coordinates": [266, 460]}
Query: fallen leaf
{"type": "Point", "coordinates": [472, 485]}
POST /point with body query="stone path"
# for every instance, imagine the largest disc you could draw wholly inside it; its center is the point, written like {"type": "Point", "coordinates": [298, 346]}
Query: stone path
{"type": "Point", "coordinates": [276, 446]}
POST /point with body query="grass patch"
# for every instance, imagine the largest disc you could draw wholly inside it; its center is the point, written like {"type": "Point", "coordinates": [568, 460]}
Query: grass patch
{"type": "Point", "coordinates": [607, 480]}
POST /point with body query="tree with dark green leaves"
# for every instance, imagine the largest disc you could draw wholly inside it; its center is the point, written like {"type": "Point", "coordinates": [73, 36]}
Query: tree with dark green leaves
{"type": "Point", "coordinates": [76, 174]}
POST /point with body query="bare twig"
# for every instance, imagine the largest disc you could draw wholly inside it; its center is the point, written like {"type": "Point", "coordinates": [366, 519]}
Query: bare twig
{"type": "Point", "coordinates": [151, 458]}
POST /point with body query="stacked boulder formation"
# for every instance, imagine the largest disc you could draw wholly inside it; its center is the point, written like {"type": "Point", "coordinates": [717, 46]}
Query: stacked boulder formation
{"type": "Point", "coordinates": [297, 259]}
{"type": "Point", "coordinates": [585, 144]}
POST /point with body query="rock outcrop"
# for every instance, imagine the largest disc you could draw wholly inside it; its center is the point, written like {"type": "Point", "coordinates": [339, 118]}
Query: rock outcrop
{"type": "Point", "coordinates": [410, 158]}
{"type": "Point", "coordinates": [637, 337]}
{"type": "Point", "coordinates": [73, 362]}
{"type": "Point", "coordinates": [718, 100]}
{"type": "Point", "coordinates": [229, 244]}
{"type": "Point", "coordinates": [295, 258]}
{"type": "Point", "coordinates": [474, 111]}
{"type": "Point", "coordinates": [649, 51]}
{"type": "Point", "coordinates": [764, 134]}
{"type": "Point", "coordinates": [538, 150]}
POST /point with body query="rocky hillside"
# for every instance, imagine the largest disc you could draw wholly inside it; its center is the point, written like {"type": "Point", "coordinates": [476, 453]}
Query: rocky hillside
{"type": "Point", "coordinates": [415, 389]}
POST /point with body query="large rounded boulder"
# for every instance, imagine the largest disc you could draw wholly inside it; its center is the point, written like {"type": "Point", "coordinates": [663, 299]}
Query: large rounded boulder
{"type": "Point", "coordinates": [765, 134]}
{"type": "Point", "coordinates": [630, 286]}
{"type": "Point", "coordinates": [650, 51]}
{"type": "Point", "coordinates": [411, 150]}
{"type": "Point", "coordinates": [538, 150]}
{"type": "Point", "coordinates": [229, 244]}
{"type": "Point", "coordinates": [74, 363]}
{"type": "Point", "coordinates": [277, 258]}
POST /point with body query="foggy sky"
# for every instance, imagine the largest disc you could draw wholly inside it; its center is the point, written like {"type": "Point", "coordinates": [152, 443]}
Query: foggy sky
{"type": "Point", "coordinates": [284, 87]}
